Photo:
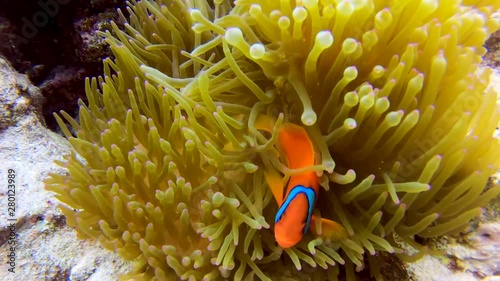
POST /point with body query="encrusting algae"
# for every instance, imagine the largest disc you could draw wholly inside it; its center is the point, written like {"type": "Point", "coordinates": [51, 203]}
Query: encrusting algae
{"type": "Point", "coordinates": [168, 165]}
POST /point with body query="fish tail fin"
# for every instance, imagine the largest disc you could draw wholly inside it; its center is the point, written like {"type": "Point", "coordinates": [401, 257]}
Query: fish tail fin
{"type": "Point", "coordinates": [328, 229]}
{"type": "Point", "coordinates": [276, 184]}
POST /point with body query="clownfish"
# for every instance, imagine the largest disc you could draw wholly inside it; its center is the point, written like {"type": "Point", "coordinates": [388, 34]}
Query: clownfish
{"type": "Point", "coordinates": [295, 213]}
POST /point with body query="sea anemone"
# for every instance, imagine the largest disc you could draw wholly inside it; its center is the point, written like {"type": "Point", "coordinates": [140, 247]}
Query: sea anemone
{"type": "Point", "coordinates": [168, 166]}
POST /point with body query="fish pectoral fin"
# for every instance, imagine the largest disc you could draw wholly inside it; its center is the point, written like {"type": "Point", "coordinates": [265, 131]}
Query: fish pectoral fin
{"type": "Point", "coordinates": [275, 182]}
{"type": "Point", "coordinates": [328, 229]}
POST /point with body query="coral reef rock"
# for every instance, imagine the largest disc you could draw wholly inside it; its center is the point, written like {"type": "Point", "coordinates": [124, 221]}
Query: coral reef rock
{"type": "Point", "coordinates": [47, 249]}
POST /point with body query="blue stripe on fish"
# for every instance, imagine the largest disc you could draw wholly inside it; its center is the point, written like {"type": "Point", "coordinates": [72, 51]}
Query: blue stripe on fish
{"type": "Point", "coordinates": [311, 198]}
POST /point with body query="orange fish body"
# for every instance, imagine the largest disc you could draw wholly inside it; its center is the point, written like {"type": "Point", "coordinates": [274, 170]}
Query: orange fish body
{"type": "Point", "coordinates": [295, 213]}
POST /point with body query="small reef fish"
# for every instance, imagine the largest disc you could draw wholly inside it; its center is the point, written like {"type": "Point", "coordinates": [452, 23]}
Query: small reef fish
{"type": "Point", "coordinates": [295, 214]}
